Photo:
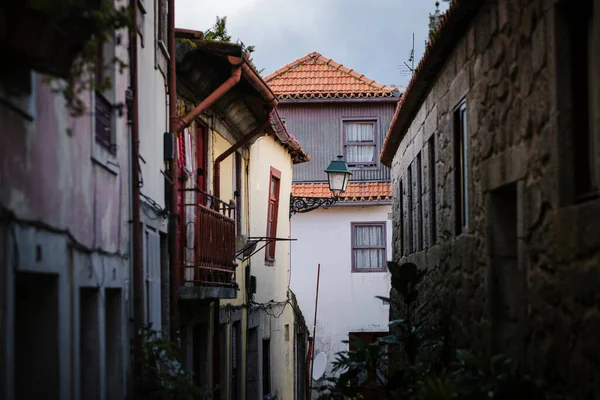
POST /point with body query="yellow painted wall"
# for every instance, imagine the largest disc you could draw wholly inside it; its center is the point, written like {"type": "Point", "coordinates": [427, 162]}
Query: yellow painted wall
{"type": "Point", "coordinates": [217, 145]}
{"type": "Point", "coordinates": [273, 281]}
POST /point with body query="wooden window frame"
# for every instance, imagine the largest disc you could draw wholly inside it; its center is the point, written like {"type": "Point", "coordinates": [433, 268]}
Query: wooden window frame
{"type": "Point", "coordinates": [410, 211]}
{"type": "Point", "coordinates": [432, 191]}
{"type": "Point", "coordinates": [371, 120]}
{"type": "Point", "coordinates": [353, 245]}
{"type": "Point", "coordinates": [420, 216]}
{"type": "Point", "coordinates": [402, 246]}
{"type": "Point", "coordinates": [270, 248]}
{"type": "Point", "coordinates": [461, 168]}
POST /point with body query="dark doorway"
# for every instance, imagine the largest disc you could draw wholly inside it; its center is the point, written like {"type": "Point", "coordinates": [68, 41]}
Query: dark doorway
{"type": "Point", "coordinates": [252, 365]}
{"type": "Point", "coordinates": [89, 343]}
{"type": "Point", "coordinates": [507, 281]}
{"type": "Point", "coordinates": [200, 349]}
{"type": "Point", "coordinates": [114, 344]}
{"type": "Point", "coordinates": [36, 337]}
{"type": "Point", "coordinates": [300, 366]}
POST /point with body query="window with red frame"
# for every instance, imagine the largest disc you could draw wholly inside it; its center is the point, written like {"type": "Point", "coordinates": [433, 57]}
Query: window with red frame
{"type": "Point", "coordinates": [272, 213]}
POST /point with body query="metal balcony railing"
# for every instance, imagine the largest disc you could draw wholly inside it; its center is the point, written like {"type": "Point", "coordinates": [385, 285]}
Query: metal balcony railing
{"type": "Point", "coordinates": [209, 246]}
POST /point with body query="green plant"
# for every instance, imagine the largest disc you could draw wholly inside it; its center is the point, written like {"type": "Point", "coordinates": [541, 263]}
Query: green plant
{"type": "Point", "coordinates": [415, 370]}
{"type": "Point", "coordinates": [100, 23]}
{"type": "Point", "coordinates": [410, 334]}
{"type": "Point", "coordinates": [219, 33]}
{"type": "Point", "coordinates": [164, 377]}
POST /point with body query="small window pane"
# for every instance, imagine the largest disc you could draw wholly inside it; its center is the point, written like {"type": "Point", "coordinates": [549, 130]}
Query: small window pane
{"type": "Point", "coordinates": [360, 132]}
{"type": "Point", "coordinates": [360, 154]}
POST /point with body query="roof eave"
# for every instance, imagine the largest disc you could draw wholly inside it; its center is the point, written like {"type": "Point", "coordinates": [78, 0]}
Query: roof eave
{"type": "Point", "coordinates": [453, 26]}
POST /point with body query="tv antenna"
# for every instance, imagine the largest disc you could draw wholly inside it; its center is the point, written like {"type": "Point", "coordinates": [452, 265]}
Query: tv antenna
{"type": "Point", "coordinates": [409, 67]}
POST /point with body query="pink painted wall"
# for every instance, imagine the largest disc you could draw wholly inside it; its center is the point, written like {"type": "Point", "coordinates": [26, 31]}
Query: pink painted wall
{"type": "Point", "coordinates": [49, 175]}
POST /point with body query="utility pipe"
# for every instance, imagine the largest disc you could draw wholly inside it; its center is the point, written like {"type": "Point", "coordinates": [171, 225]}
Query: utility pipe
{"type": "Point", "coordinates": [312, 364]}
{"type": "Point", "coordinates": [231, 150]}
{"type": "Point", "coordinates": [138, 270]}
{"type": "Point", "coordinates": [174, 217]}
{"type": "Point", "coordinates": [179, 124]}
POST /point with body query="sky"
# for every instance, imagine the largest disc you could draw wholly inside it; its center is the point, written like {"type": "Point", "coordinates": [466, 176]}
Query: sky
{"type": "Point", "coordinates": [373, 37]}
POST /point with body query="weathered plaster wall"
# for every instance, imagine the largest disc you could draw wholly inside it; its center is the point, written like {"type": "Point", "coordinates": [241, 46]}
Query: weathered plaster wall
{"type": "Point", "coordinates": [347, 300]}
{"type": "Point", "coordinates": [66, 233]}
{"type": "Point", "coordinates": [505, 67]}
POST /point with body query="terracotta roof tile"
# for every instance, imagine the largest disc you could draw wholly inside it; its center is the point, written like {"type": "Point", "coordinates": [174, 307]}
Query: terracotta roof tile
{"type": "Point", "coordinates": [356, 191]}
{"type": "Point", "coordinates": [314, 76]}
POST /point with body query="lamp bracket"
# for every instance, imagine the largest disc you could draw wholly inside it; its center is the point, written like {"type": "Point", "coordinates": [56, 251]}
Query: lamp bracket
{"type": "Point", "coordinates": [306, 204]}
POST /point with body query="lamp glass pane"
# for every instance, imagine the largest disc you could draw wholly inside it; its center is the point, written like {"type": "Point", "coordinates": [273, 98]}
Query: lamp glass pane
{"type": "Point", "coordinates": [336, 181]}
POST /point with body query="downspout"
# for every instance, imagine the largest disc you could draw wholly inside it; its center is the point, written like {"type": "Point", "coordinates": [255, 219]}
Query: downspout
{"type": "Point", "coordinates": [243, 141]}
{"type": "Point", "coordinates": [138, 271]}
{"type": "Point", "coordinates": [179, 124]}
{"type": "Point", "coordinates": [173, 220]}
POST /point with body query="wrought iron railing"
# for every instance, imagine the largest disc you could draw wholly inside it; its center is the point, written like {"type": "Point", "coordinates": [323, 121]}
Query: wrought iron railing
{"type": "Point", "coordinates": [209, 249]}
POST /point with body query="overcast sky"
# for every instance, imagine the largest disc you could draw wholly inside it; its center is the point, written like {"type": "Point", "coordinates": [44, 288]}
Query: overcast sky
{"type": "Point", "coordinates": [373, 37]}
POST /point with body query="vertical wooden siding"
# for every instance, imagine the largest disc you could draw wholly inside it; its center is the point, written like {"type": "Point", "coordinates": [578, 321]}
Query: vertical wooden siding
{"type": "Point", "coordinates": [318, 128]}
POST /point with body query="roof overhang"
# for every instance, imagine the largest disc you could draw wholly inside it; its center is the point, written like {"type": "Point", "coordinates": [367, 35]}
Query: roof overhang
{"type": "Point", "coordinates": [278, 130]}
{"type": "Point", "coordinates": [344, 100]}
{"type": "Point", "coordinates": [453, 26]}
{"type": "Point", "coordinates": [202, 66]}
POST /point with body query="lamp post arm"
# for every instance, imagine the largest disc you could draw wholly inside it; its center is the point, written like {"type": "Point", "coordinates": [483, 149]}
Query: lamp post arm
{"type": "Point", "coordinates": [306, 204]}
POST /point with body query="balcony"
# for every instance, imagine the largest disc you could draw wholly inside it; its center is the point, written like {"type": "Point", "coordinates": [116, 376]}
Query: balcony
{"type": "Point", "coordinates": [207, 249]}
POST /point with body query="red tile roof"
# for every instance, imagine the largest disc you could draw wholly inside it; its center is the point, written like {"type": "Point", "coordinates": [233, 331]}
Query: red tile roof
{"type": "Point", "coordinates": [356, 191]}
{"type": "Point", "coordinates": [453, 26]}
{"type": "Point", "coordinates": [314, 76]}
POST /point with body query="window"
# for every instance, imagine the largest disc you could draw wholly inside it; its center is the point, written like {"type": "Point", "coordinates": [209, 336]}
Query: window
{"type": "Point", "coordinates": [368, 246]}
{"type": "Point", "coordinates": [17, 89]}
{"type": "Point", "coordinates": [162, 18]}
{"type": "Point", "coordinates": [432, 188]}
{"type": "Point", "coordinates": [401, 197]}
{"type": "Point", "coordinates": [266, 366]}
{"type": "Point", "coordinates": [461, 182]}
{"type": "Point", "coordinates": [359, 143]}
{"type": "Point", "coordinates": [238, 193]}
{"type": "Point", "coordinates": [581, 42]}
{"type": "Point", "coordinates": [103, 106]}
{"type": "Point", "coordinates": [419, 204]}
{"type": "Point", "coordinates": [272, 213]}
{"type": "Point", "coordinates": [410, 216]}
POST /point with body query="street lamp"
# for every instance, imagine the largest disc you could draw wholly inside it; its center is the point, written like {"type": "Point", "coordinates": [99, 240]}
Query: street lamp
{"type": "Point", "coordinates": [338, 176]}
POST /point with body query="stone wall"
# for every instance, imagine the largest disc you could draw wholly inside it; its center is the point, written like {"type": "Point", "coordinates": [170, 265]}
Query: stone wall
{"type": "Point", "coordinates": [524, 278]}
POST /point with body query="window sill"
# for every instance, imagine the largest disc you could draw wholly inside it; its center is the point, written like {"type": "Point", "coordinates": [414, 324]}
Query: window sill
{"type": "Point", "coordinates": [368, 270]}
{"type": "Point", "coordinates": [105, 159]}
{"type": "Point", "coordinates": [589, 196]}
{"type": "Point", "coordinates": [362, 167]}
{"type": "Point", "coordinates": [269, 262]}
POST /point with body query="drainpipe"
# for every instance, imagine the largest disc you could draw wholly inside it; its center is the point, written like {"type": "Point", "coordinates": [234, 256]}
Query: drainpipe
{"type": "Point", "coordinates": [138, 272]}
{"type": "Point", "coordinates": [231, 150]}
{"type": "Point", "coordinates": [173, 220]}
